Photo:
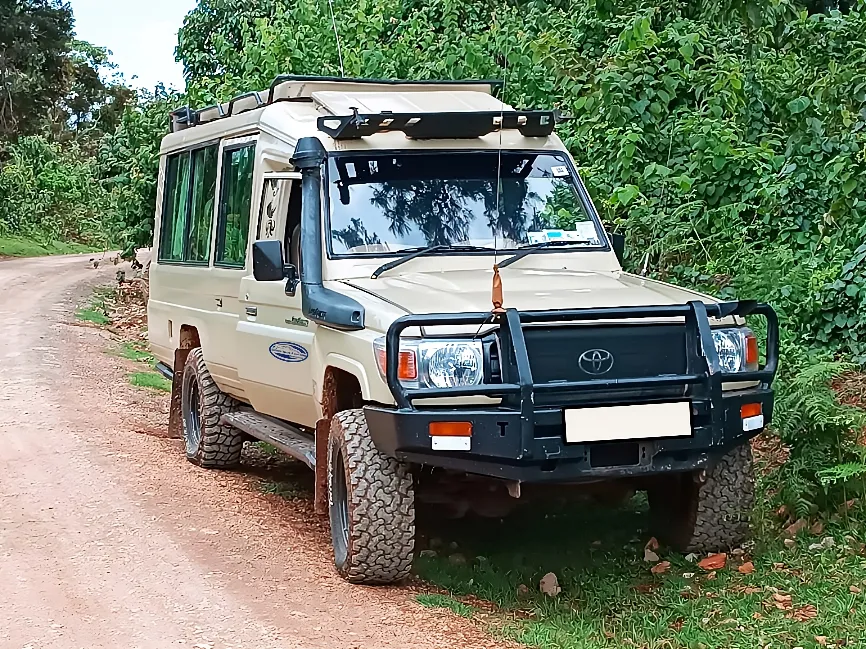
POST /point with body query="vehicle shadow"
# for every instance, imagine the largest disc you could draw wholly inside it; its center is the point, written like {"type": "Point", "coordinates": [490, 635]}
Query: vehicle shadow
{"type": "Point", "coordinates": [595, 551]}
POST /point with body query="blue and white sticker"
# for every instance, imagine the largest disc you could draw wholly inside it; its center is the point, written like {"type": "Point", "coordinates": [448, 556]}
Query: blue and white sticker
{"type": "Point", "coordinates": [289, 352]}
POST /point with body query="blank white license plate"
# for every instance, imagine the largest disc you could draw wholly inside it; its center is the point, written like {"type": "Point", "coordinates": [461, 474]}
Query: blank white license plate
{"type": "Point", "coordinates": [641, 421]}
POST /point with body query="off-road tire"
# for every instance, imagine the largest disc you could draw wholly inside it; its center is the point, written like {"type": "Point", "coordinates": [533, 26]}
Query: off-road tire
{"type": "Point", "coordinates": [371, 503]}
{"type": "Point", "coordinates": [215, 445]}
{"type": "Point", "coordinates": [709, 516]}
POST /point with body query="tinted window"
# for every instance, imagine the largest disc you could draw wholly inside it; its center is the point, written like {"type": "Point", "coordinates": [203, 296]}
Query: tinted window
{"type": "Point", "coordinates": [173, 228]}
{"type": "Point", "coordinates": [383, 203]}
{"type": "Point", "coordinates": [235, 203]}
{"type": "Point", "coordinates": [204, 164]}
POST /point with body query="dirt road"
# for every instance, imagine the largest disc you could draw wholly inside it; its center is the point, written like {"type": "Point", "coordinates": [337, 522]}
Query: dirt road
{"type": "Point", "coordinates": [109, 538]}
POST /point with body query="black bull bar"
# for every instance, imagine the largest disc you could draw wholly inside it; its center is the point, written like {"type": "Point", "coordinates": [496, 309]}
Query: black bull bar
{"type": "Point", "coordinates": [703, 377]}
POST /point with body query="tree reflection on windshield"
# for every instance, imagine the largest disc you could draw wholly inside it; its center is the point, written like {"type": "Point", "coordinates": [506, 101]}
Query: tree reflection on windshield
{"type": "Point", "coordinates": [411, 200]}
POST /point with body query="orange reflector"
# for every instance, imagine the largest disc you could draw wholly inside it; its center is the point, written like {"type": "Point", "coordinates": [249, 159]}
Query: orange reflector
{"type": "Point", "coordinates": [450, 429]}
{"type": "Point", "coordinates": [406, 368]}
{"type": "Point", "coordinates": [750, 410]}
{"type": "Point", "coordinates": [752, 355]}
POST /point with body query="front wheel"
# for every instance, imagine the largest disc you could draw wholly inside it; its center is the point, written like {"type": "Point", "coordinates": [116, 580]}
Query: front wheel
{"type": "Point", "coordinates": [371, 501]}
{"type": "Point", "coordinates": [709, 515]}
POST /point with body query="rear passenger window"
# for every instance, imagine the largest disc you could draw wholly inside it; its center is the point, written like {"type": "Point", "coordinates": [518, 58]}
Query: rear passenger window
{"type": "Point", "coordinates": [204, 165]}
{"type": "Point", "coordinates": [235, 205]}
{"type": "Point", "coordinates": [173, 228]}
{"type": "Point", "coordinates": [187, 216]}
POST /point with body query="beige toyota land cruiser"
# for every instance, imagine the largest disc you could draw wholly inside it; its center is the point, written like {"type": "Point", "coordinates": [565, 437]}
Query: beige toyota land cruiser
{"type": "Point", "coordinates": [405, 286]}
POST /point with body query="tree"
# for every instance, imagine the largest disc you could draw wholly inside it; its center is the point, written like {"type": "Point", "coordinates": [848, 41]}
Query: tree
{"type": "Point", "coordinates": [217, 27]}
{"type": "Point", "coordinates": [34, 62]}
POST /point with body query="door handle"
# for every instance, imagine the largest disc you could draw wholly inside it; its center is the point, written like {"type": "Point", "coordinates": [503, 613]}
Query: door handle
{"type": "Point", "coordinates": [252, 311]}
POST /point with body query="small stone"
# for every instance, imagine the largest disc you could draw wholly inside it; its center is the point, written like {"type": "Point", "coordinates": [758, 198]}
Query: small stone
{"type": "Point", "coordinates": [549, 585]}
{"type": "Point", "coordinates": [738, 552]}
{"type": "Point", "coordinates": [650, 556]}
{"type": "Point", "coordinates": [688, 575]}
{"type": "Point", "coordinates": [790, 543]}
{"type": "Point", "coordinates": [828, 542]}
{"type": "Point", "coordinates": [427, 553]}
{"type": "Point", "coordinates": [453, 545]}
{"type": "Point", "coordinates": [855, 590]}
{"type": "Point", "coordinates": [691, 557]}
{"type": "Point", "coordinates": [523, 590]}
{"type": "Point", "coordinates": [457, 559]}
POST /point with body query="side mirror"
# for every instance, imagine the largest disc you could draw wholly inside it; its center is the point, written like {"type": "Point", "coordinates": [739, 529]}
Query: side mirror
{"type": "Point", "coordinates": [618, 243]}
{"type": "Point", "coordinates": [268, 260]}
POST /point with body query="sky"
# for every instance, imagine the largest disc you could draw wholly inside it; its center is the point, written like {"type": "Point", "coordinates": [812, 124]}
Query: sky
{"type": "Point", "coordinates": [141, 35]}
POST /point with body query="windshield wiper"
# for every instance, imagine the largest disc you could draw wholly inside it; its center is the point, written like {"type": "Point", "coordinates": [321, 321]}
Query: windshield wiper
{"type": "Point", "coordinates": [418, 252]}
{"type": "Point", "coordinates": [528, 250]}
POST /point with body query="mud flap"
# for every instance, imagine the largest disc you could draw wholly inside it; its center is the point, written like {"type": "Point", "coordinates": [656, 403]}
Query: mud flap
{"type": "Point", "coordinates": [320, 498]}
{"type": "Point", "coordinates": [175, 417]}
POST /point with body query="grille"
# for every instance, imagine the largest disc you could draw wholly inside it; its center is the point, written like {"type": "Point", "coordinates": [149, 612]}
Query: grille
{"type": "Point", "coordinates": [635, 350]}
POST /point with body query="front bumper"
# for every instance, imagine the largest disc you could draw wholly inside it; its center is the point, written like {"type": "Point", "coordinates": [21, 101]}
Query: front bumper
{"type": "Point", "coordinates": [519, 440]}
{"type": "Point", "coordinates": [497, 448]}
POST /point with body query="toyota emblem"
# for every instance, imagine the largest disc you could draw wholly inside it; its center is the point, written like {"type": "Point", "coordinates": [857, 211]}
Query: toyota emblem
{"type": "Point", "coordinates": [596, 361]}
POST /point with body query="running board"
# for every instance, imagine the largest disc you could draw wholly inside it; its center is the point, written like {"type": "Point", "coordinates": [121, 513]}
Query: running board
{"type": "Point", "coordinates": [286, 438]}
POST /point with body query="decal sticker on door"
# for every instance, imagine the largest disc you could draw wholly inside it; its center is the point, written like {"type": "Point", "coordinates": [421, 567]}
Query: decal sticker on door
{"type": "Point", "coordinates": [289, 352]}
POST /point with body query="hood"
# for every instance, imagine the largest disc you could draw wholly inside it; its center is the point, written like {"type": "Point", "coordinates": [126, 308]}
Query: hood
{"type": "Point", "coordinates": [455, 291]}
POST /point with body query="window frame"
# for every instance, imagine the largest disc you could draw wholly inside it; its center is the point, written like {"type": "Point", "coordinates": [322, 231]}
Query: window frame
{"type": "Point", "coordinates": [227, 148]}
{"type": "Point", "coordinates": [187, 226]}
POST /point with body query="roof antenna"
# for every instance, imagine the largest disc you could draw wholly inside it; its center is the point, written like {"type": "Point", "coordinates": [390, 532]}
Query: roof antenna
{"type": "Point", "coordinates": [337, 36]}
{"type": "Point", "coordinates": [497, 297]}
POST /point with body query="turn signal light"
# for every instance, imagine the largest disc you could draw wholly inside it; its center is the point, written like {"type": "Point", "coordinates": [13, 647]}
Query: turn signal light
{"type": "Point", "coordinates": [450, 429]}
{"type": "Point", "coordinates": [407, 368]}
{"type": "Point", "coordinates": [752, 355]}
{"type": "Point", "coordinates": [750, 410]}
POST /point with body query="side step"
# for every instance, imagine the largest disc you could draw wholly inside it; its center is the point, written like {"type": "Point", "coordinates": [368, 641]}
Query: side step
{"type": "Point", "coordinates": [289, 440]}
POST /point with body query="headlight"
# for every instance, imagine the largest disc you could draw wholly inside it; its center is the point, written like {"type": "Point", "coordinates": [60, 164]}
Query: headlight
{"type": "Point", "coordinates": [435, 363]}
{"type": "Point", "coordinates": [737, 349]}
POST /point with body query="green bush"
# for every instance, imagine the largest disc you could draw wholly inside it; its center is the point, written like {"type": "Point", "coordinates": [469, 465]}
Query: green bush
{"type": "Point", "coordinates": [726, 140]}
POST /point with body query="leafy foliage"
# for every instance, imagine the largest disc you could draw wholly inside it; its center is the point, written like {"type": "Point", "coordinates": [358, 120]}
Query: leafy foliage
{"type": "Point", "coordinates": [725, 139]}
{"type": "Point", "coordinates": [128, 162]}
{"type": "Point", "coordinates": [34, 62]}
{"type": "Point", "coordinates": [78, 147]}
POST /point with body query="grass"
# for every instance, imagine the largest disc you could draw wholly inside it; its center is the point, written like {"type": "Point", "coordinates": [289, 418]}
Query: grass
{"type": "Point", "coordinates": [21, 247]}
{"type": "Point", "coordinates": [150, 380]}
{"type": "Point", "coordinates": [97, 311]}
{"type": "Point", "coordinates": [436, 600]}
{"type": "Point", "coordinates": [284, 489]}
{"type": "Point", "coordinates": [134, 352]}
{"type": "Point", "coordinates": [92, 315]}
{"type": "Point", "coordinates": [611, 599]}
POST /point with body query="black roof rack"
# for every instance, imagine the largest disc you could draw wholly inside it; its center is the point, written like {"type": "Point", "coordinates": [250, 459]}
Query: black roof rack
{"type": "Point", "coordinates": [457, 125]}
{"type": "Point", "coordinates": [186, 117]}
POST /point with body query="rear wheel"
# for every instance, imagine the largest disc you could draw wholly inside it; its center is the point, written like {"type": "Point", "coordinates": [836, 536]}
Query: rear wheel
{"type": "Point", "coordinates": [371, 504]}
{"type": "Point", "coordinates": [209, 443]}
{"type": "Point", "coordinates": [712, 515]}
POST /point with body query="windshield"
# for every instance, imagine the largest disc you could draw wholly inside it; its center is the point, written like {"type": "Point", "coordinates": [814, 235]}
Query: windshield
{"type": "Point", "coordinates": [384, 203]}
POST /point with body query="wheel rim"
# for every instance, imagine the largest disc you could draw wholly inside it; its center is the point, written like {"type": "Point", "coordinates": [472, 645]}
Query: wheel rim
{"type": "Point", "coordinates": [339, 510]}
{"type": "Point", "coordinates": [192, 418]}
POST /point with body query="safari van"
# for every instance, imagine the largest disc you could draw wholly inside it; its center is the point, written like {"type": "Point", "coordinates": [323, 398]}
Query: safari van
{"type": "Point", "coordinates": [405, 286]}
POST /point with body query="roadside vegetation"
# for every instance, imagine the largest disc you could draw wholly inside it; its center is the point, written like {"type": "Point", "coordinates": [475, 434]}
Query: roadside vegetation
{"type": "Point", "coordinates": [726, 140]}
{"type": "Point", "coordinates": [21, 247]}
{"type": "Point", "coordinates": [78, 143]}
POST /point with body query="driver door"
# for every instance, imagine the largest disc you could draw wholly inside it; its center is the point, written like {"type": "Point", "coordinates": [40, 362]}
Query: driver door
{"type": "Point", "coordinates": [275, 340]}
